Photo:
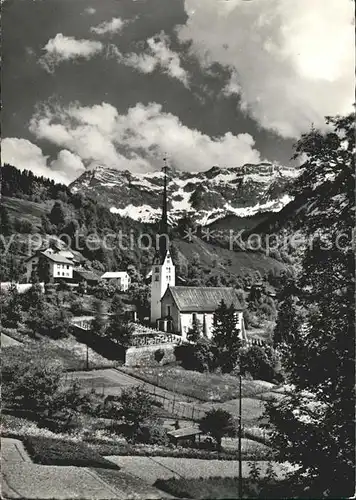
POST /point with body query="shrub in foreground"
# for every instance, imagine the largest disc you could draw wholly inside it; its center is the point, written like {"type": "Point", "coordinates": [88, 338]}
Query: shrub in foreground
{"type": "Point", "coordinates": [206, 488]}
{"type": "Point", "coordinates": [48, 451]}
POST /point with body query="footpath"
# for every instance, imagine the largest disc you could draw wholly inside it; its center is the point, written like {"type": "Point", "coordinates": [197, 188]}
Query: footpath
{"type": "Point", "coordinates": [22, 479]}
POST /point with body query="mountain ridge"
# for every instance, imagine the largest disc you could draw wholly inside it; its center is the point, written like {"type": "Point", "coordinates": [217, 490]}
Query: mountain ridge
{"type": "Point", "coordinates": [205, 197]}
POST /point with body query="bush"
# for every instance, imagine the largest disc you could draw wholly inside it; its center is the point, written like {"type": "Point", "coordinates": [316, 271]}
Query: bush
{"type": "Point", "coordinates": [153, 433]}
{"type": "Point", "coordinates": [211, 487]}
{"type": "Point", "coordinates": [199, 357]}
{"type": "Point", "coordinates": [260, 362]}
{"type": "Point", "coordinates": [42, 391]}
{"type": "Point", "coordinates": [48, 451]}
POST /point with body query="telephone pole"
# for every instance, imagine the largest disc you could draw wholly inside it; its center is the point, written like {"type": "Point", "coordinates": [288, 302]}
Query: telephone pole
{"type": "Point", "coordinates": [240, 436]}
{"type": "Point", "coordinates": [87, 358]}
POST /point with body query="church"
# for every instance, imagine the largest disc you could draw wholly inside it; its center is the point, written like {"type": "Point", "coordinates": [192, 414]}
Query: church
{"type": "Point", "coordinates": [174, 309]}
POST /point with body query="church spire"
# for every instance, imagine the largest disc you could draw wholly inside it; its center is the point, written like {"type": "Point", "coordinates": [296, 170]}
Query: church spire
{"type": "Point", "coordinates": [164, 219]}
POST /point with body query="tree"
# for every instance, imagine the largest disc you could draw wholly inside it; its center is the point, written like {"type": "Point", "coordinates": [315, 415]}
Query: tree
{"type": "Point", "coordinates": [30, 386]}
{"type": "Point", "coordinates": [98, 324]}
{"type": "Point", "coordinates": [195, 331]}
{"type": "Point", "coordinates": [117, 305]}
{"type": "Point", "coordinates": [50, 320]}
{"type": "Point", "coordinates": [136, 407]}
{"type": "Point", "coordinates": [226, 336]}
{"type": "Point", "coordinates": [120, 331]}
{"type": "Point", "coordinates": [46, 226]}
{"type": "Point", "coordinates": [200, 356]}
{"type": "Point", "coordinates": [314, 427]}
{"type": "Point", "coordinates": [139, 295]}
{"type": "Point", "coordinates": [289, 317]}
{"type": "Point", "coordinates": [13, 311]}
{"type": "Point", "coordinates": [218, 423]}
{"type": "Point", "coordinates": [57, 215]}
{"type": "Point", "coordinates": [260, 362]}
{"type": "Point", "coordinates": [42, 390]}
{"type": "Point", "coordinates": [6, 226]}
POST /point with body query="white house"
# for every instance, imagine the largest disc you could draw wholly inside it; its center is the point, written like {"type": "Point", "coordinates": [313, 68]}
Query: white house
{"type": "Point", "coordinates": [121, 278]}
{"type": "Point", "coordinates": [181, 306]}
{"type": "Point", "coordinates": [50, 265]}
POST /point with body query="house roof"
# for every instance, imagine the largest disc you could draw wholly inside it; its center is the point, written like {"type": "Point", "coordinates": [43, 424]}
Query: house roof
{"type": "Point", "coordinates": [184, 432]}
{"type": "Point", "coordinates": [57, 257]}
{"type": "Point", "coordinates": [202, 299]}
{"type": "Point", "coordinates": [87, 274]}
{"type": "Point", "coordinates": [116, 274]}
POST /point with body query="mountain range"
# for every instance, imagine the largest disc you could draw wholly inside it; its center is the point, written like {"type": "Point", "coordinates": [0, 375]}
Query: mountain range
{"type": "Point", "coordinates": [204, 197]}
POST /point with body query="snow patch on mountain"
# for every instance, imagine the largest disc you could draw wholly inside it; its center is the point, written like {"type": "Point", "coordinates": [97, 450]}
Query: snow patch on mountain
{"type": "Point", "coordinates": [143, 213]}
{"type": "Point", "coordinates": [202, 196]}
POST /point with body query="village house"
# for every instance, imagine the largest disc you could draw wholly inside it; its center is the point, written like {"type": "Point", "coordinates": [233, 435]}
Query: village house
{"type": "Point", "coordinates": [50, 265]}
{"type": "Point", "coordinates": [120, 278]}
{"type": "Point", "coordinates": [85, 276]}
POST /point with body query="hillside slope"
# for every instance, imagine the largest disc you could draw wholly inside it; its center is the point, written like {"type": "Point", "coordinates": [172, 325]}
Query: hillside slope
{"type": "Point", "coordinates": [212, 257]}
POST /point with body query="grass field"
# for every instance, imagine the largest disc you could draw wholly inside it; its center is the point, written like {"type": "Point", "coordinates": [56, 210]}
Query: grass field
{"type": "Point", "coordinates": [27, 210]}
{"type": "Point", "coordinates": [208, 387]}
{"type": "Point", "coordinates": [70, 353]}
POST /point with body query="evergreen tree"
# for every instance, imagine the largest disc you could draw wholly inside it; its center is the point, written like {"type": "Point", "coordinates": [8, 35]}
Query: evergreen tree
{"type": "Point", "coordinates": [120, 331]}
{"type": "Point", "coordinates": [6, 226]}
{"type": "Point", "coordinates": [98, 324]}
{"type": "Point", "coordinates": [315, 426]}
{"type": "Point", "coordinates": [226, 336]}
{"type": "Point", "coordinates": [195, 331]}
{"type": "Point", "coordinates": [289, 316]}
{"type": "Point", "coordinates": [57, 215]}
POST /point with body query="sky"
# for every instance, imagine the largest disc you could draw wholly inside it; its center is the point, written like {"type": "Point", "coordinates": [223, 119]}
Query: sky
{"type": "Point", "coordinates": [125, 83]}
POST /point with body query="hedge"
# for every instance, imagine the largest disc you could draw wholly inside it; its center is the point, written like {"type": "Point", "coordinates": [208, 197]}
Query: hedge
{"type": "Point", "coordinates": [49, 451]}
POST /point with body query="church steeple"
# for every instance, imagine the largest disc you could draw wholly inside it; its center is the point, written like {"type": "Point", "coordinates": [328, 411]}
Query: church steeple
{"type": "Point", "coordinates": [164, 220]}
{"type": "Point", "coordinates": [163, 269]}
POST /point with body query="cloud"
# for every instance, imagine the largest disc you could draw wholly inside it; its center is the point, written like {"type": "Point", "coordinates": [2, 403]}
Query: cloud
{"type": "Point", "coordinates": [90, 10]}
{"type": "Point", "coordinates": [138, 140]}
{"type": "Point", "coordinates": [23, 154]}
{"type": "Point", "coordinates": [66, 48]}
{"type": "Point", "coordinates": [158, 55]}
{"type": "Point", "coordinates": [114, 26]}
{"type": "Point", "coordinates": [292, 63]}
{"type": "Point", "coordinates": [68, 165]}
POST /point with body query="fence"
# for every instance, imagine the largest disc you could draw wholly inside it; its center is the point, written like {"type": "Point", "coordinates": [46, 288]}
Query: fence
{"type": "Point", "coordinates": [180, 409]}
{"type": "Point", "coordinates": [153, 339]}
{"type": "Point", "coordinates": [251, 342]}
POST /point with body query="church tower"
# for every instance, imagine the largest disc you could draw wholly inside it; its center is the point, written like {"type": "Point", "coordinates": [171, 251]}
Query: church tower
{"type": "Point", "coordinates": [163, 269]}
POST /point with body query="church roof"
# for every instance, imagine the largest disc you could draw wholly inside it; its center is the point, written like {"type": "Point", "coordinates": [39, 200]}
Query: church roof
{"type": "Point", "coordinates": [203, 299]}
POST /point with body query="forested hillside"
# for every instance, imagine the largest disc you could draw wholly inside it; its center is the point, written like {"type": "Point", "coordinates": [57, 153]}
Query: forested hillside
{"type": "Point", "coordinates": [34, 207]}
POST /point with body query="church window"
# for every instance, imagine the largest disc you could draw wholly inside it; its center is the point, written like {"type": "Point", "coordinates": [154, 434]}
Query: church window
{"type": "Point", "coordinates": [168, 310]}
{"type": "Point", "coordinates": [194, 317]}
{"type": "Point", "coordinates": [168, 278]}
{"type": "Point", "coordinates": [156, 278]}
{"type": "Point", "coordinates": [157, 270]}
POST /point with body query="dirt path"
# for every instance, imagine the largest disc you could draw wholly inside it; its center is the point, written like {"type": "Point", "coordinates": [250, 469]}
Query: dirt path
{"type": "Point", "coordinates": [23, 479]}
{"type": "Point", "coordinates": [7, 341]}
